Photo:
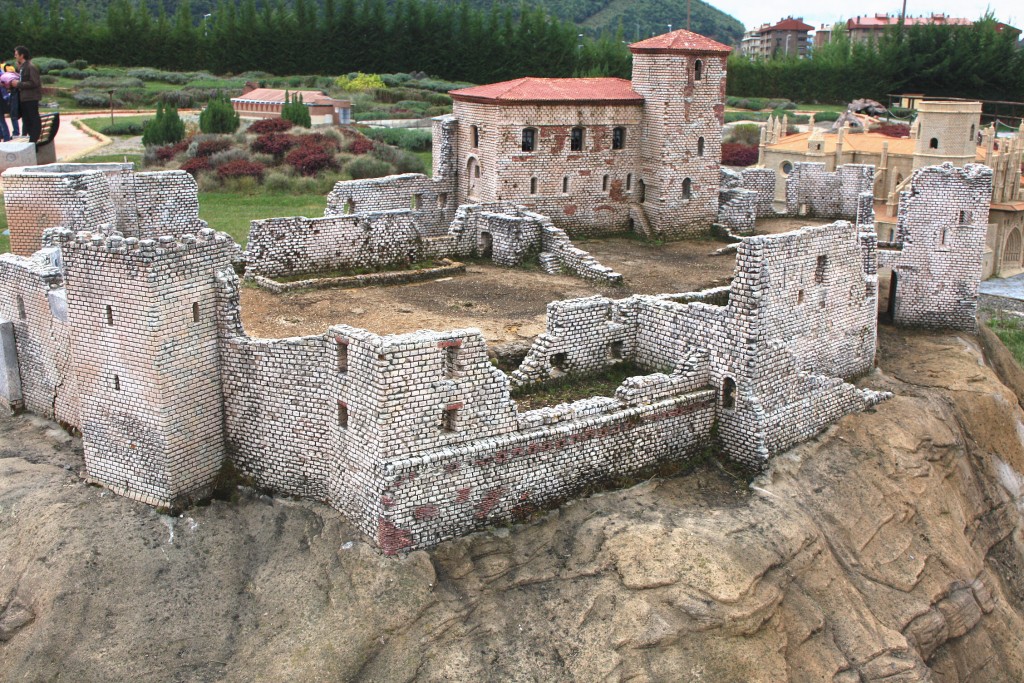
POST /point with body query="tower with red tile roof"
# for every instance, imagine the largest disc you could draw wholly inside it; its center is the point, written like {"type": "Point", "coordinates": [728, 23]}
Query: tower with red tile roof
{"type": "Point", "coordinates": [600, 155]}
{"type": "Point", "coordinates": [681, 76]}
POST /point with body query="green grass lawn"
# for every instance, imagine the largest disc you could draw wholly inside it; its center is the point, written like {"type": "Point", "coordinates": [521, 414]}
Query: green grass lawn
{"type": "Point", "coordinates": [101, 122]}
{"type": "Point", "coordinates": [231, 213]}
{"type": "Point", "coordinates": [1011, 332]}
{"type": "Point", "coordinates": [112, 159]}
{"type": "Point", "coordinates": [5, 241]}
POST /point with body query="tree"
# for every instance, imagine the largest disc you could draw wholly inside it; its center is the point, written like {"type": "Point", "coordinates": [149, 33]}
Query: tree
{"type": "Point", "coordinates": [165, 128]}
{"type": "Point", "coordinates": [219, 116]}
{"type": "Point", "coordinates": [295, 111]}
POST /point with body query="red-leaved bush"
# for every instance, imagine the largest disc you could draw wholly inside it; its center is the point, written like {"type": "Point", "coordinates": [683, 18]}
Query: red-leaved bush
{"type": "Point", "coordinates": [274, 143]}
{"type": "Point", "coordinates": [195, 165]}
{"type": "Point", "coordinates": [168, 152]}
{"type": "Point", "coordinates": [736, 154]}
{"type": "Point", "coordinates": [310, 159]}
{"type": "Point", "coordinates": [241, 168]}
{"type": "Point", "coordinates": [325, 142]}
{"type": "Point", "coordinates": [360, 146]}
{"type": "Point", "coordinates": [210, 147]}
{"type": "Point", "coordinates": [892, 130]}
{"type": "Point", "coordinates": [264, 126]}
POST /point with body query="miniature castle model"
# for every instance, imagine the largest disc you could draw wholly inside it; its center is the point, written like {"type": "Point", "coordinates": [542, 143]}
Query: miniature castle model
{"type": "Point", "coordinates": [135, 337]}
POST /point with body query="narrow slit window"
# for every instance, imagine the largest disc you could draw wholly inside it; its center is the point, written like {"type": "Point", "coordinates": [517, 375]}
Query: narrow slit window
{"type": "Point", "coordinates": [117, 383]}
{"type": "Point", "coordinates": [729, 393]}
{"type": "Point", "coordinates": [110, 315]}
{"type": "Point", "coordinates": [565, 184]}
{"type": "Point", "coordinates": [342, 415]}
{"type": "Point", "coordinates": [604, 184]}
{"type": "Point", "coordinates": [944, 236]}
{"type": "Point", "coordinates": [21, 307]}
{"type": "Point", "coordinates": [618, 137]}
{"type": "Point", "coordinates": [195, 312]}
{"type": "Point", "coordinates": [698, 70]}
{"type": "Point", "coordinates": [533, 186]}
{"type": "Point", "coordinates": [800, 296]}
{"type": "Point", "coordinates": [700, 147]}
{"type": "Point", "coordinates": [451, 360]}
{"type": "Point", "coordinates": [819, 269]}
{"type": "Point", "coordinates": [449, 418]}
{"type": "Point", "coordinates": [576, 140]}
{"type": "Point", "coordinates": [629, 182]}
{"type": "Point", "coordinates": [417, 201]}
{"type": "Point", "coordinates": [687, 188]}
{"type": "Point", "coordinates": [341, 348]}
{"type": "Point", "coordinates": [475, 135]}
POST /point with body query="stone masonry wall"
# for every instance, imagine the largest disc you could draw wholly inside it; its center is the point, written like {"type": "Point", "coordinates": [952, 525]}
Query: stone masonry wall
{"type": "Point", "coordinates": [813, 191]}
{"type": "Point", "coordinates": [145, 346]}
{"type": "Point", "coordinates": [32, 300]}
{"type": "Point", "coordinates": [431, 201]}
{"type": "Point", "coordinates": [937, 260]}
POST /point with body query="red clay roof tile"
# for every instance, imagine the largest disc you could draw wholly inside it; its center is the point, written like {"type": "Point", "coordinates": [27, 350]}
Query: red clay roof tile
{"type": "Point", "coordinates": [520, 90]}
{"type": "Point", "coordinates": [680, 41]}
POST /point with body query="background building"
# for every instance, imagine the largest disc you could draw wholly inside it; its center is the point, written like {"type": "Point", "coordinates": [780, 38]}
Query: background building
{"type": "Point", "coordinates": [265, 103]}
{"type": "Point", "coordinates": [788, 37]}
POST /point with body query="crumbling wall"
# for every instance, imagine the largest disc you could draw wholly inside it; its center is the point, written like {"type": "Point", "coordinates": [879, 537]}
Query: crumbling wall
{"type": "Point", "coordinates": [33, 303]}
{"type": "Point", "coordinates": [815, 192]}
{"type": "Point", "coordinates": [737, 210]}
{"type": "Point", "coordinates": [429, 200]}
{"type": "Point", "coordinates": [762, 182]}
{"type": "Point", "coordinates": [940, 241]}
{"type": "Point", "coordinates": [156, 204]}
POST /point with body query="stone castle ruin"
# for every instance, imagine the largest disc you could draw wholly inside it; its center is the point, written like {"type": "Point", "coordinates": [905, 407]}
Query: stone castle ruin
{"type": "Point", "coordinates": [126, 325]}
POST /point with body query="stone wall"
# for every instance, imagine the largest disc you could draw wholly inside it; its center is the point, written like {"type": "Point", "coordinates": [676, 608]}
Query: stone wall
{"type": "Point", "coordinates": [145, 344]}
{"type": "Point", "coordinates": [33, 303]}
{"type": "Point", "coordinates": [813, 191]}
{"type": "Point", "coordinates": [940, 240]}
{"type": "Point", "coordinates": [98, 197]}
{"type": "Point", "coordinates": [430, 201]}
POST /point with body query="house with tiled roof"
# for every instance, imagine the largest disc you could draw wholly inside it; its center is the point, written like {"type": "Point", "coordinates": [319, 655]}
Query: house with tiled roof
{"type": "Point", "coordinates": [870, 27]}
{"type": "Point", "coordinates": [600, 154]}
{"type": "Point", "coordinates": [265, 103]}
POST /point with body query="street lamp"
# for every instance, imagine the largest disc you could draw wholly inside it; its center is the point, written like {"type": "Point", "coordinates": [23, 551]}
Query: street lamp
{"type": "Point", "coordinates": [206, 24]}
{"type": "Point", "coordinates": [111, 92]}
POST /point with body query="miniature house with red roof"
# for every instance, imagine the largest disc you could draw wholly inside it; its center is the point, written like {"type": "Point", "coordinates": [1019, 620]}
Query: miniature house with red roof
{"type": "Point", "coordinates": [601, 155]}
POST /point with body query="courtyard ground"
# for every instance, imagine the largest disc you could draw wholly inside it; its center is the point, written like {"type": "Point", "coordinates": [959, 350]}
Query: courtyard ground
{"type": "Point", "coordinates": [506, 304]}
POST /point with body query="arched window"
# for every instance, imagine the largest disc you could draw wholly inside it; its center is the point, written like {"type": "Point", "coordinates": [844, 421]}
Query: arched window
{"type": "Point", "coordinates": [687, 188]}
{"type": "Point", "coordinates": [933, 144]}
{"type": "Point", "coordinates": [1011, 253]}
{"type": "Point", "coordinates": [529, 139]}
{"type": "Point", "coordinates": [533, 186]}
{"type": "Point", "coordinates": [698, 70]}
{"type": "Point", "coordinates": [700, 147]}
{"type": "Point", "coordinates": [618, 137]}
{"type": "Point", "coordinates": [474, 134]}
{"type": "Point", "coordinates": [576, 140]}
{"type": "Point", "coordinates": [728, 393]}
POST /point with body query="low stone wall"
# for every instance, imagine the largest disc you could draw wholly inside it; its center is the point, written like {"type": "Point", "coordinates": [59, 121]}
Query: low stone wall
{"type": "Point", "coordinates": [400, 277]}
{"type": "Point", "coordinates": [431, 200]}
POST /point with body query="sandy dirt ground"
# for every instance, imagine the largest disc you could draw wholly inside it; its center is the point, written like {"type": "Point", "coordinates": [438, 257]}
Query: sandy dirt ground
{"type": "Point", "coordinates": [506, 304]}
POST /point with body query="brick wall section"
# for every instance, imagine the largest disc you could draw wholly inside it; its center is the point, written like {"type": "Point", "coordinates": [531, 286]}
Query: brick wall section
{"type": "Point", "coordinates": [145, 345]}
{"type": "Point", "coordinates": [761, 181]}
{"type": "Point", "coordinates": [737, 210]}
{"type": "Point", "coordinates": [32, 299]}
{"type": "Point", "coordinates": [813, 191]}
{"type": "Point", "coordinates": [430, 201]}
{"type": "Point", "coordinates": [940, 235]}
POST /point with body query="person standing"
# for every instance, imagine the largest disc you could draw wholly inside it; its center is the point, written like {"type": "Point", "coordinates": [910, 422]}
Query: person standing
{"type": "Point", "coordinates": [15, 110]}
{"type": "Point", "coordinates": [30, 91]}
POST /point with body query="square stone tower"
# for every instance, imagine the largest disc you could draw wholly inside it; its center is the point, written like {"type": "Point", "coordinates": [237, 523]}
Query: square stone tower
{"type": "Point", "coordinates": [946, 131]}
{"type": "Point", "coordinates": [681, 76]}
{"type": "Point", "coordinates": [147, 361]}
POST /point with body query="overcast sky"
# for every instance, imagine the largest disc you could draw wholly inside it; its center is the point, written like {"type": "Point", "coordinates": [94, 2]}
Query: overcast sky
{"type": "Point", "coordinates": [753, 13]}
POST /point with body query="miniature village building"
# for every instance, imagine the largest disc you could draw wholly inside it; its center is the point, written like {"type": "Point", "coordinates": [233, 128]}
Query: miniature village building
{"type": "Point", "coordinates": [945, 131]}
{"type": "Point", "coordinates": [266, 103]}
{"type": "Point", "coordinates": [602, 155]}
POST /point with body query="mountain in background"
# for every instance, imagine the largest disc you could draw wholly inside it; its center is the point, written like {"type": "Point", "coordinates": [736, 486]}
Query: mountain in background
{"type": "Point", "coordinates": [638, 19]}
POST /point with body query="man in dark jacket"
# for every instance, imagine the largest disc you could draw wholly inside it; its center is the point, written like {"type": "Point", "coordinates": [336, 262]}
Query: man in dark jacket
{"type": "Point", "coordinates": [30, 91]}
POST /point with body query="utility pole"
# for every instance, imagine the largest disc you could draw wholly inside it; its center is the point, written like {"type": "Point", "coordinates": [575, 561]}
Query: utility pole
{"type": "Point", "coordinates": [690, 2]}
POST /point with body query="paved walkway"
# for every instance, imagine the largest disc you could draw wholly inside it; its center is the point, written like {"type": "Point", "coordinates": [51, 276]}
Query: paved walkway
{"type": "Point", "coordinates": [1009, 288]}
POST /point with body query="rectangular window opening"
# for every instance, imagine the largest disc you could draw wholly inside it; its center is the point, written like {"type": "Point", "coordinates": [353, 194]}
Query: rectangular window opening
{"type": "Point", "coordinates": [442, 200]}
{"type": "Point", "coordinates": [565, 184]}
{"type": "Point", "coordinates": [417, 201]}
{"type": "Point", "coordinates": [451, 359]}
{"type": "Point", "coordinates": [117, 383]}
{"type": "Point", "coordinates": [604, 184]}
{"type": "Point", "coordinates": [342, 415]}
{"type": "Point", "coordinates": [21, 307]}
{"type": "Point", "coordinates": [195, 312]}
{"type": "Point", "coordinates": [342, 349]}
{"type": "Point", "coordinates": [110, 315]}
{"type": "Point", "coordinates": [449, 418]}
{"type": "Point", "coordinates": [819, 269]}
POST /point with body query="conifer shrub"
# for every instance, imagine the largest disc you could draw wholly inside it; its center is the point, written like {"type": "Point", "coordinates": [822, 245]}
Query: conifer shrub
{"type": "Point", "coordinates": [264, 126]}
{"type": "Point", "coordinates": [165, 128]}
{"type": "Point", "coordinates": [218, 117]}
{"type": "Point", "coordinates": [295, 111]}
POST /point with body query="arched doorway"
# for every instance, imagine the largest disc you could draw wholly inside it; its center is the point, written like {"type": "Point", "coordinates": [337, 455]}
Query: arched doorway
{"type": "Point", "coordinates": [472, 177]}
{"type": "Point", "coordinates": [1011, 251]}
